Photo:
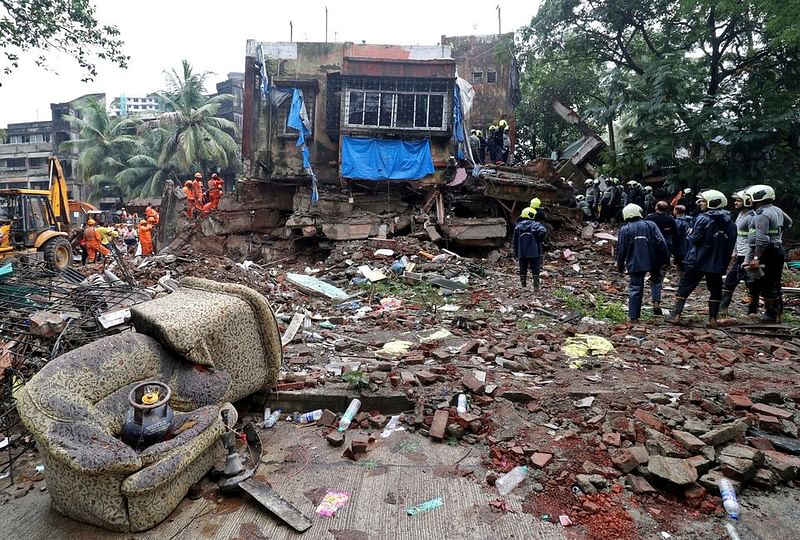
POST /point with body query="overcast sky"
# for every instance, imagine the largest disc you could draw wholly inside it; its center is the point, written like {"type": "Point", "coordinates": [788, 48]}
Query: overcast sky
{"type": "Point", "coordinates": [212, 36]}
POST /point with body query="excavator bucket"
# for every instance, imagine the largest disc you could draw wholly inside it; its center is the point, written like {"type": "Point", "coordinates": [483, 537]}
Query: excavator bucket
{"type": "Point", "coordinates": [58, 194]}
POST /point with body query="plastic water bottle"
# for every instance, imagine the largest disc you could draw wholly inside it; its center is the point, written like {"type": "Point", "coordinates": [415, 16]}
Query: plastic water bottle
{"type": "Point", "coordinates": [728, 495]}
{"type": "Point", "coordinates": [272, 418]}
{"type": "Point", "coordinates": [348, 415]}
{"type": "Point", "coordinates": [461, 408]}
{"type": "Point", "coordinates": [307, 418]}
{"type": "Point", "coordinates": [506, 483]}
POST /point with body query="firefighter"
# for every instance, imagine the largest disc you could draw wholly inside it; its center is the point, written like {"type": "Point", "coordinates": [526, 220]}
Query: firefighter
{"type": "Point", "coordinates": [742, 203]}
{"type": "Point", "coordinates": [491, 145]}
{"type": "Point", "coordinates": [765, 239]}
{"type": "Point", "coordinates": [711, 241]}
{"type": "Point", "coordinates": [146, 236]}
{"type": "Point", "coordinates": [151, 212]}
{"type": "Point", "coordinates": [641, 248]}
{"type": "Point", "coordinates": [188, 190]}
{"type": "Point", "coordinates": [92, 238]}
{"type": "Point", "coordinates": [649, 200]}
{"type": "Point", "coordinates": [528, 242]}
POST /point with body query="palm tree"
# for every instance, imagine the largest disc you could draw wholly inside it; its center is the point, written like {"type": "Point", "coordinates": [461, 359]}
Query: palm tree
{"type": "Point", "coordinates": [104, 146]}
{"type": "Point", "coordinates": [191, 137]}
{"type": "Point", "coordinates": [2, 136]}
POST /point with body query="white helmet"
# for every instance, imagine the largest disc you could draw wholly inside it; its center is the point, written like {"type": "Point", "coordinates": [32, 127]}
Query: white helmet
{"type": "Point", "coordinates": [589, 181]}
{"type": "Point", "coordinates": [744, 197]}
{"type": "Point", "coordinates": [687, 191]}
{"type": "Point", "coordinates": [631, 211]}
{"type": "Point", "coordinates": [579, 197]}
{"type": "Point", "coordinates": [760, 193]}
{"type": "Point", "coordinates": [596, 182]}
{"type": "Point", "coordinates": [648, 188]}
{"type": "Point", "coordinates": [714, 198]}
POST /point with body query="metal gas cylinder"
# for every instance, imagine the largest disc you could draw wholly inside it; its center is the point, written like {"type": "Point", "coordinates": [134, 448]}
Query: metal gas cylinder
{"type": "Point", "coordinates": [149, 419]}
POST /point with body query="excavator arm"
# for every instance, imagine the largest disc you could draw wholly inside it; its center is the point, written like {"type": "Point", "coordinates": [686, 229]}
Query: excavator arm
{"type": "Point", "coordinates": [59, 200]}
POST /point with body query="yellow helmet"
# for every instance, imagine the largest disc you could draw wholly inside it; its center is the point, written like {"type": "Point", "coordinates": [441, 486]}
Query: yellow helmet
{"type": "Point", "coordinates": [493, 128]}
{"type": "Point", "coordinates": [479, 133]}
{"type": "Point", "coordinates": [528, 213]}
{"type": "Point", "coordinates": [502, 123]}
{"type": "Point", "coordinates": [536, 203]}
{"type": "Point", "coordinates": [91, 222]}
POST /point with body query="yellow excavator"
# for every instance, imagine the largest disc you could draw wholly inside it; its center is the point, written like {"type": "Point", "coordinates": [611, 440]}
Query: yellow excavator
{"type": "Point", "coordinates": [36, 222]}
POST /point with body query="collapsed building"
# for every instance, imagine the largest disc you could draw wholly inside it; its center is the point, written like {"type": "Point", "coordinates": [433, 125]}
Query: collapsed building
{"type": "Point", "coordinates": [345, 141]}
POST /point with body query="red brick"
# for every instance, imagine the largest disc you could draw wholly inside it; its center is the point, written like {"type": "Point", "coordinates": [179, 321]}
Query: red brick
{"type": "Point", "coordinates": [541, 459]}
{"type": "Point", "coordinates": [624, 460]}
{"type": "Point", "coordinates": [649, 419]}
{"type": "Point", "coordinates": [439, 425]}
{"type": "Point", "coordinates": [689, 441]}
{"type": "Point", "coordinates": [762, 443]}
{"type": "Point", "coordinates": [426, 377]}
{"type": "Point", "coordinates": [738, 401]}
{"type": "Point", "coordinates": [290, 386]}
{"type": "Point", "coordinates": [785, 465]}
{"type": "Point", "coordinates": [768, 410]}
{"type": "Point", "coordinates": [611, 439]}
{"type": "Point", "coordinates": [472, 384]}
{"type": "Point", "coordinates": [769, 423]}
{"type": "Point", "coordinates": [469, 347]}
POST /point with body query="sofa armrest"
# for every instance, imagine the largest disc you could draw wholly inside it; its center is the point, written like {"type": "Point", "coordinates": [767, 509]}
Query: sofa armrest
{"type": "Point", "coordinates": [187, 428]}
{"type": "Point", "coordinates": [173, 457]}
{"type": "Point", "coordinates": [87, 449]}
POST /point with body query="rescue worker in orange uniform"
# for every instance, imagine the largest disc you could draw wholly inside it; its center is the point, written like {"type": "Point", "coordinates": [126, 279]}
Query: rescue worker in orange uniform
{"type": "Point", "coordinates": [92, 238]}
{"type": "Point", "coordinates": [215, 185]}
{"type": "Point", "coordinates": [197, 187]}
{"type": "Point", "coordinates": [188, 190]}
{"type": "Point", "coordinates": [146, 236]}
{"type": "Point", "coordinates": [152, 212]}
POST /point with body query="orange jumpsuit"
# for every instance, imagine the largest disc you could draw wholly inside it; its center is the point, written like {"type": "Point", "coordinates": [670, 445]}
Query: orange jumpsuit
{"type": "Point", "coordinates": [146, 238]}
{"type": "Point", "coordinates": [189, 192]}
{"type": "Point", "coordinates": [197, 187]}
{"type": "Point", "coordinates": [92, 238]}
{"type": "Point", "coordinates": [215, 192]}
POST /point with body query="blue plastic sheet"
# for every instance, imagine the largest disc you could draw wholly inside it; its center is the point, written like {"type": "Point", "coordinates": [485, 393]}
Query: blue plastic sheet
{"type": "Point", "coordinates": [298, 119]}
{"type": "Point", "coordinates": [384, 159]}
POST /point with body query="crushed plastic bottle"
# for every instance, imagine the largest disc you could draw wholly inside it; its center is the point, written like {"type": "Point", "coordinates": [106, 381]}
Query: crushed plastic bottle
{"type": "Point", "coordinates": [348, 415]}
{"type": "Point", "coordinates": [506, 483]}
{"type": "Point", "coordinates": [271, 418]}
{"type": "Point", "coordinates": [461, 408]}
{"type": "Point", "coordinates": [307, 418]}
{"type": "Point", "coordinates": [728, 495]}
{"type": "Point", "coordinates": [392, 426]}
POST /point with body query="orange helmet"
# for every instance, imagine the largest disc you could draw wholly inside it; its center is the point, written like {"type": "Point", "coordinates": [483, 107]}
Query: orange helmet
{"type": "Point", "coordinates": [91, 222]}
{"type": "Point", "coordinates": [188, 183]}
{"type": "Point", "coordinates": [151, 219]}
{"type": "Point", "coordinates": [198, 175]}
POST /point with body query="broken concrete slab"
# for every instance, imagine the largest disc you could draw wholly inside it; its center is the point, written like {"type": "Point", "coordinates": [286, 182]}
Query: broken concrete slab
{"type": "Point", "coordinates": [675, 471]}
{"type": "Point", "coordinates": [316, 287]}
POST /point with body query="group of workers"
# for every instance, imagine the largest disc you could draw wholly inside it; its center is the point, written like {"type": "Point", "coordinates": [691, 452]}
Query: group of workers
{"type": "Point", "coordinates": [703, 247]}
{"type": "Point", "coordinates": [605, 198]}
{"type": "Point", "coordinates": [96, 241]}
{"type": "Point", "coordinates": [198, 201]}
{"type": "Point", "coordinates": [497, 144]}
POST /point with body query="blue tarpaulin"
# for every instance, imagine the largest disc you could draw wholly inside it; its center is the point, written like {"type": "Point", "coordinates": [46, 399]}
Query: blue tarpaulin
{"type": "Point", "coordinates": [385, 159]}
{"type": "Point", "coordinates": [298, 119]}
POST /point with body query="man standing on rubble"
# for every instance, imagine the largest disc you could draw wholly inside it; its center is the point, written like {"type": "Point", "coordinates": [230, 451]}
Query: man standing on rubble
{"type": "Point", "coordinates": [635, 194]}
{"type": "Point", "coordinates": [666, 224]}
{"type": "Point", "coordinates": [711, 241]}
{"type": "Point", "coordinates": [742, 203]}
{"type": "Point", "coordinates": [609, 201]}
{"type": "Point", "coordinates": [215, 185]}
{"type": "Point", "coordinates": [146, 236]}
{"type": "Point", "coordinates": [529, 236]}
{"type": "Point", "coordinates": [683, 225]}
{"type": "Point", "coordinates": [592, 197]}
{"type": "Point", "coordinates": [766, 249]}
{"type": "Point", "coordinates": [481, 147]}
{"type": "Point", "coordinates": [197, 191]}
{"type": "Point", "coordinates": [649, 200]}
{"type": "Point", "coordinates": [188, 190]}
{"type": "Point", "coordinates": [92, 238]}
{"type": "Point", "coordinates": [491, 146]}
{"type": "Point", "coordinates": [641, 248]}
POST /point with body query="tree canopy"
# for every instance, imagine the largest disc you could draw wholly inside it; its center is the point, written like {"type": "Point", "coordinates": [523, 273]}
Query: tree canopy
{"type": "Point", "coordinates": [69, 26]}
{"type": "Point", "coordinates": [705, 90]}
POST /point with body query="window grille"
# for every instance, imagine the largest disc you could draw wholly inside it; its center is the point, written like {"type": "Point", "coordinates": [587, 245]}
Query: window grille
{"type": "Point", "coordinates": [412, 104]}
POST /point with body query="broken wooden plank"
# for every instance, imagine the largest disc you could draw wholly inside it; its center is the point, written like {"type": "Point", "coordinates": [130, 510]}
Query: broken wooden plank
{"type": "Point", "coordinates": [291, 330]}
{"type": "Point", "coordinates": [316, 287]}
{"type": "Point", "coordinates": [276, 504]}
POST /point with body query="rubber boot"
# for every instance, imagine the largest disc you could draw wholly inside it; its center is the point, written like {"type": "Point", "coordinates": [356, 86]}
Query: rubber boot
{"type": "Point", "coordinates": [727, 296]}
{"type": "Point", "coordinates": [657, 308]}
{"type": "Point", "coordinates": [771, 310]}
{"type": "Point", "coordinates": [675, 315]}
{"type": "Point", "coordinates": [524, 281]}
{"type": "Point", "coordinates": [713, 313]}
{"type": "Point", "coordinates": [536, 283]}
{"type": "Point", "coordinates": [752, 307]}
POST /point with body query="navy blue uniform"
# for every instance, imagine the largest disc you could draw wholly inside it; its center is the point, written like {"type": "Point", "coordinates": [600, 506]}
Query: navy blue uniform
{"type": "Point", "coordinates": [683, 225]}
{"type": "Point", "coordinates": [641, 248]}
{"type": "Point", "coordinates": [711, 242]}
{"type": "Point", "coordinates": [666, 224]}
{"type": "Point", "coordinates": [529, 236]}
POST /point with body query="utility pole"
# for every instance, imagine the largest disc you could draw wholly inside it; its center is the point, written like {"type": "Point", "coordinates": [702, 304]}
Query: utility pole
{"type": "Point", "coordinates": [499, 28]}
{"type": "Point", "coordinates": [291, 30]}
{"type": "Point", "coordinates": [326, 24]}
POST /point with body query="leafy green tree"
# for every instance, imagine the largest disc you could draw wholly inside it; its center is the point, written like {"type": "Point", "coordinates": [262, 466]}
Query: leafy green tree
{"type": "Point", "coordinates": [103, 147]}
{"type": "Point", "coordinates": [191, 136]}
{"type": "Point", "coordinates": [707, 89]}
{"type": "Point", "coordinates": [68, 26]}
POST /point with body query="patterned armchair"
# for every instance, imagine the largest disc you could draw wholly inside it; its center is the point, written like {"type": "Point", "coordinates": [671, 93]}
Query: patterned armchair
{"type": "Point", "coordinates": [75, 405]}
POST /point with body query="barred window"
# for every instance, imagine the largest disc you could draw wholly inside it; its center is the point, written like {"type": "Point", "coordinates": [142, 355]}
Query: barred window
{"type": "Point", "coordinates": [491, 76]}
{"type": "Point", "coordinates": [310, 98]}
{"type": "Point", "coordinates": [396, 104]}
{"type": "Point", "coordinates": [477, 76]}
